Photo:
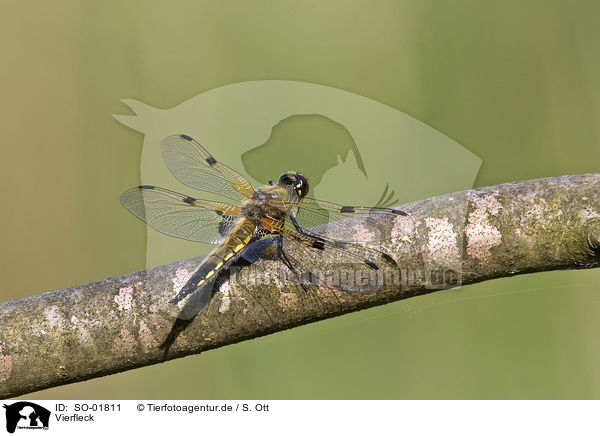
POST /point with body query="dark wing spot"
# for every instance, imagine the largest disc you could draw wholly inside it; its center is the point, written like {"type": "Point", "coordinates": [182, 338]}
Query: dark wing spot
{"type": "Point", "coordinates": [371, 264]}
{"type": "Point", "coordinates": [400, 212]}
{"type": "Point", "coordinates": [186, 137]}
{"type": "Point", "coordinates": [388, 258]}
{"type": "Point", "coordinates": [347, 209]}
{"type": "Point", "coordinates": [189, 200]}
{"type": "Point", "coordinates": [146, 187]}
{"type": "Point", "coordinates": [211, 160]}
{"type": "Point", "coordinates": [319, 245]}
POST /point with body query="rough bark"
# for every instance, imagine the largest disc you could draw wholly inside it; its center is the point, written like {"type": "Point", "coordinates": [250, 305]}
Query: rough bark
{"type": "Point", "coordinates": [117, 324]}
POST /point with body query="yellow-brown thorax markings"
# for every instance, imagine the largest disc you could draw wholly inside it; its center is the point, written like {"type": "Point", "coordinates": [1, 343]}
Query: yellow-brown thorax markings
{"type": "Point", "coordinates": [269, 207]}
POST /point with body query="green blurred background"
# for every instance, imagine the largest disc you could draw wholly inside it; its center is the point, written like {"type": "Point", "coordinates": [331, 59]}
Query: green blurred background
{"type": "Point", "coordinates": [515, 82]}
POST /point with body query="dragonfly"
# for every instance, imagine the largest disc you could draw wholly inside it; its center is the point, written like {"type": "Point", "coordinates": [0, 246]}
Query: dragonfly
{"type": "Point", "coordinates": [295, 226]}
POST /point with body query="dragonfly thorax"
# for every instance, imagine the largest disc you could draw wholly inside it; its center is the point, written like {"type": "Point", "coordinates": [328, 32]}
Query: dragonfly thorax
{"type": "Point", "coordinates": [272, 202]}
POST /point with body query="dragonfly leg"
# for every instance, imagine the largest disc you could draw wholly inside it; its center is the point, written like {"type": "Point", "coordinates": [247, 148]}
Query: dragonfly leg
{"type": "Point", "coordinates": [296, 225]}
{"type": "Point", "coordinates": [287, 262]}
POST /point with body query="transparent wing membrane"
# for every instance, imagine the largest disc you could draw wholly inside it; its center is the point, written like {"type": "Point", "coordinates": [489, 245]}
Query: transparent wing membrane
{"type": "Point", "coordinates": [332, 263]}
{"type": "Point", "coordinates": [179, 215]}
{"type": "Point", "coordinates": [194, 166]}
{"type": "Point", "coordinates": [316, 214]}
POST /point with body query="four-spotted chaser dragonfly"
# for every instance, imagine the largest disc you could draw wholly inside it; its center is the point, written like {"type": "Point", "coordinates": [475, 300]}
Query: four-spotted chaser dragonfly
{"type": "Point", "coordinates": [281, 212]}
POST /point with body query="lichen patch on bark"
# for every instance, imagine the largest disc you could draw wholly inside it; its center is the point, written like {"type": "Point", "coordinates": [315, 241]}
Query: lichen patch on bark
{"type": "Point", "coordinates": [229, 297]}
{"type": "Point", "coordinates": [481, 235]}
{"type": "Point", "coordinates": [403, 228]}
{"type": "Point", "coordinates": [83, 333]}
{"type": "Point", "coordinates": [226, 299]}
{"type": "Point", "coordinates": [54, 318]}
{"type": "Point", "coordinates": [124, 300]}
{"type": "Point", "coordinates": [442, 242]}
{"type": "Point", "coordinates": [487, 202]}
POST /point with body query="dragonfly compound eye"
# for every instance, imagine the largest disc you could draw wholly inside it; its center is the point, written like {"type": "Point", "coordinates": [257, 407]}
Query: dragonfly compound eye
{"type": "Point", "coordinates": [296, 181]}
{"type": "Point", "coordinates": [288, 178]}
{"type": "Point", "coordinates": [302, 185]}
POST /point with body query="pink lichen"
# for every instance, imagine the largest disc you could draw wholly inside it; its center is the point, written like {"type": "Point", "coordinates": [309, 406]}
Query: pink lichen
{"type": "Point", "coordinates": [124, 300]}
{"type": "Point", "coordinates": [442, 242]}
{"type": "Point", "coordinates": [481, 235]}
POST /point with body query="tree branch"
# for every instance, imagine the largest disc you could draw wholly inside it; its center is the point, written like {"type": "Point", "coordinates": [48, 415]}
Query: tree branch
{"type": "Point", "coordinates": [117, 324]}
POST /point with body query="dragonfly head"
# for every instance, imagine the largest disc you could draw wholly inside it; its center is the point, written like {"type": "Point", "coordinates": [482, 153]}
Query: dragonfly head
{"type": "Point", "coordinates": [297, 181]}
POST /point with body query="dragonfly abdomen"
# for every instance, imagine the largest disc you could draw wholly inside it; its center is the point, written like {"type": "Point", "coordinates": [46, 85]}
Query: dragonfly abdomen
{"type": "Point", "coordinates": [219, 259]}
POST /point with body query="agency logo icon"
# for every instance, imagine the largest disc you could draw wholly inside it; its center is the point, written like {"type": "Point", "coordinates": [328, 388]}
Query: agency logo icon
{"type": "Point", "coordinates": [26, 415]}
